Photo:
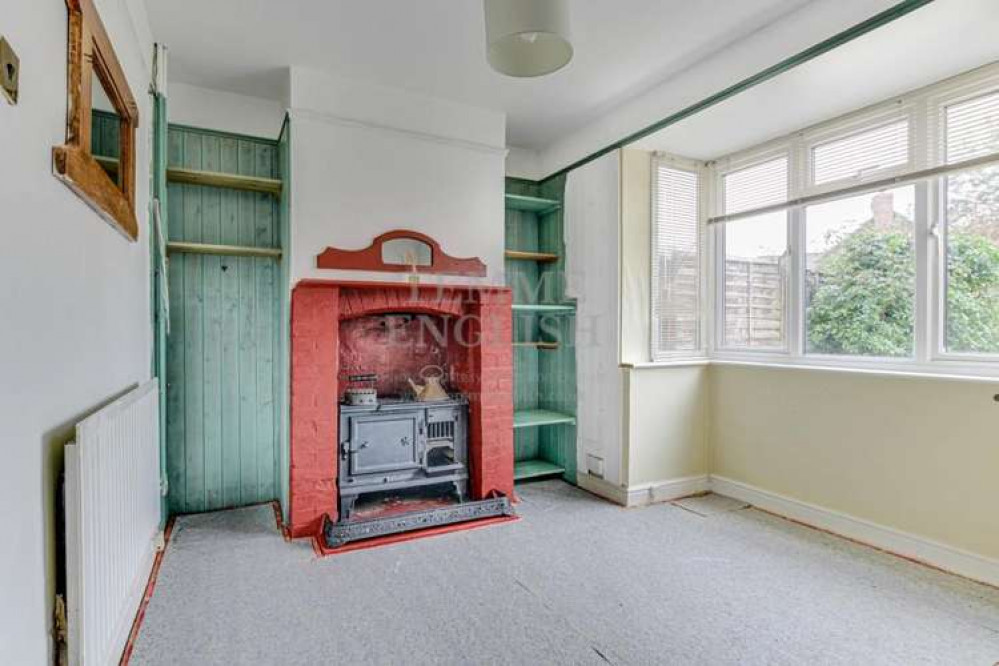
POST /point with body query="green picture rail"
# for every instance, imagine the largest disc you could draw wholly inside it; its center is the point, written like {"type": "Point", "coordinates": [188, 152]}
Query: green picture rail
{"type": "Point", "coordinates": [531, 204]}
{"type": "Point", "coordinates": [534, 418]}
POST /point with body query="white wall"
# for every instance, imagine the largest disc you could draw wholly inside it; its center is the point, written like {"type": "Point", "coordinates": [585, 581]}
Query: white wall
{"type": "Point", "coordinates": [367, 159]}
{"type": "Point", "coordinates": [75, 301]}
{"type": "Point", "coordinates": [224, 111]}
{"type": "Point", "coordinates": [523, 163]}
{"type": "Point", "coordinates": [591, 210]}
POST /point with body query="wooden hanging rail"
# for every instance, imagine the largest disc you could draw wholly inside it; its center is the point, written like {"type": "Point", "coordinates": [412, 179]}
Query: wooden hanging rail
{"type": "Point", "coordinates": [233, 181]}
{"type": "Point", "coordinates": [531, 256]}
{"type": "Point", "coordinates": [538, 345]}
{"type": "Point", "coordinates": [230, 250]}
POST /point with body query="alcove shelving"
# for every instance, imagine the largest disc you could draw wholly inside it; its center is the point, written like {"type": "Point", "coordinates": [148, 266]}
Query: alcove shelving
{"type": "Point", "coordinates": [544, 331]}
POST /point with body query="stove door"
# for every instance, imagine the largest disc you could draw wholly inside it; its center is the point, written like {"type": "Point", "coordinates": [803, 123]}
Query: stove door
{"type": "Point", "coordinates": [382, 443]}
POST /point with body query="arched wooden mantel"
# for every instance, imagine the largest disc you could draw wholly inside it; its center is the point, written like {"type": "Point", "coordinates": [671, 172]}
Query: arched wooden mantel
{"type": "Point", "coordinates": [425, 255]}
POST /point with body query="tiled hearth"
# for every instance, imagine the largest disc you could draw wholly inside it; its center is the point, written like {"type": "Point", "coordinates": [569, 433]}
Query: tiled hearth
{"type": "Point", "coordinates": [477, 322]}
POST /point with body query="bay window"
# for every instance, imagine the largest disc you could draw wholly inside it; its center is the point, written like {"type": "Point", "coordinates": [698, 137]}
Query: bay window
{"type": "Point", "coordinates": [871, 240]}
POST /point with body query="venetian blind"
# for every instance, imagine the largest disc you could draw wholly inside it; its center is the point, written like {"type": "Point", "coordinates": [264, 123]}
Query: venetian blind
{"type": "Point", "coordinates": [756, 186]}
{"type": "Point", "coordinates": [860, 155]}
{"type": "Point", "coordinates": [676, 262]}
{"type": "Point", "coordinates": [971, 128]}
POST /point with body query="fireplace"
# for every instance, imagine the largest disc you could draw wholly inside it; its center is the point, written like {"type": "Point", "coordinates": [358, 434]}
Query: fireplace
{"type": "Point", "coordinates": [342, 329]}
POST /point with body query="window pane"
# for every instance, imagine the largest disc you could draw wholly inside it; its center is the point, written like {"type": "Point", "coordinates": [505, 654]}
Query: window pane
{"type": "Point", "coordinates": [861, 154]}
{"type": "Point", "coordinates": [676, 262]}
{"type": "Point", "coordinates": [860, 275]}
{"type": "Point", "coordinates": [755, 281]}
{"type": "Point", "coordinates": [972, 307]}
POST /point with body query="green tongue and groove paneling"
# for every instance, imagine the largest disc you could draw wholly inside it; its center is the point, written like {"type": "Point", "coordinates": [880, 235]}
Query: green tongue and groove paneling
{"type": "Point", "coordinates": [223, 369]}
{"type": "Point", "coordinates": [544, 379]}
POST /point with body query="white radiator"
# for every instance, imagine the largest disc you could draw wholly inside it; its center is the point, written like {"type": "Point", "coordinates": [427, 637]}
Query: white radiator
{"type": "Point", "coordinates": [112, 523]}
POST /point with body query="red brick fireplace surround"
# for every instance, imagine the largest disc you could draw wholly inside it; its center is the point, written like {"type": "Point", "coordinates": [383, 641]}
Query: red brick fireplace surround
{"type": "Point", "coordinates": [482, 352]}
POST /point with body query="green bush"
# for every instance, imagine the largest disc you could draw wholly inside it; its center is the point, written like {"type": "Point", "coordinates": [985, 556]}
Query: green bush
{"type": "Point", "coordinates": [862, 295]}
{"type": "Point", "coordinates": [972, 294]}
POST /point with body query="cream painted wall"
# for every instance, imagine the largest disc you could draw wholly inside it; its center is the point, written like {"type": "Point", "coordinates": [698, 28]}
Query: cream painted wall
{"type": "Point", "coordinates": [75, 301]}
{"type": "Point", "coordinates": [366, 160]}
{"type": "Point", "coordinates": [636, 256]}
{"type": "Point", "coordinates": [667, 424]}
{"type": "Point", "coordinates": [919, 455]}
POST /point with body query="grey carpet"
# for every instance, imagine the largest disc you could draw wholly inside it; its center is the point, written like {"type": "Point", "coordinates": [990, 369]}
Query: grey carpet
{"type": "Point", "coordinates": [710, 504]}
{"type": "Point", "coordinates": [577, 581]}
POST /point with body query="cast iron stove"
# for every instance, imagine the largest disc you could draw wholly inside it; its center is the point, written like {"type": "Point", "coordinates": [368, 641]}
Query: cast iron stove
{"type": "Point", "coordinates": [399, 445]}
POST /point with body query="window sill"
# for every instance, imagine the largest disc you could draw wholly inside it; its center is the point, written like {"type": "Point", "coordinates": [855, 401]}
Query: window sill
{"type": "Point", "coordinates": [942, 371]}
{"type": "Point", "coordinates": [672, 363]}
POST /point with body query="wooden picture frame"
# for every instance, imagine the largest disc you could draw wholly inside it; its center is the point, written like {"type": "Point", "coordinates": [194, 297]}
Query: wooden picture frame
{"type": "Point", "coordinates": [91, 54]}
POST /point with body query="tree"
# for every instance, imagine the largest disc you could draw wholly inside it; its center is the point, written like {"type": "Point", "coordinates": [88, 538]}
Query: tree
{"type": "Point", "coordinates": [862, 295]}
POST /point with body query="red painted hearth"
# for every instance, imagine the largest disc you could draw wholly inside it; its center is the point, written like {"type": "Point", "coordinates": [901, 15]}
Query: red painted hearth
{"type": "Point", "coordinates": [484, 375]}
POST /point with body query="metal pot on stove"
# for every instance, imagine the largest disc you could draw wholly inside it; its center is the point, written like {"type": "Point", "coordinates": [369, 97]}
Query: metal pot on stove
{"type": "Point", "coordinates": [361, 395]}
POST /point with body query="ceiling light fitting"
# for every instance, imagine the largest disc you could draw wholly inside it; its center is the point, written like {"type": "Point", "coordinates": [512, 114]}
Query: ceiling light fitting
{"type": "Point", "coordinates": [527, 37]}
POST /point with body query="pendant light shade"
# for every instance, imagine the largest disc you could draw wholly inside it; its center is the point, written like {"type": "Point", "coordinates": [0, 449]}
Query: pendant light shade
{"type": "Point", "coordinates": [527, 37]}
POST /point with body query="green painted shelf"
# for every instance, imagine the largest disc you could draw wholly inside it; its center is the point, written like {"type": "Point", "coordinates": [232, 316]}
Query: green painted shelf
{"type": "Point", "coordinates": [533, 469]}
{"type": "Point", "coordinates": [531, 204]}
{"type": "Point", "coordinates": [542, 307]}
{"type": "Point", "coordinates": [532, 418]}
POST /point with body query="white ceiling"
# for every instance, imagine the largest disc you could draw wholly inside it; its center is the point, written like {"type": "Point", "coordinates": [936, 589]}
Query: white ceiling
{"type": "Point", "coordinates": [940, 40]}
{"type": "Point", "coordinates": [436, 47]}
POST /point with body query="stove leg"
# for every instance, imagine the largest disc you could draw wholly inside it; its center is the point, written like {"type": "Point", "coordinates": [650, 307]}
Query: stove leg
{"type": "Point", "coordinates": [347, 507]}
{"type": "Point", "coordinates": [460, 489]}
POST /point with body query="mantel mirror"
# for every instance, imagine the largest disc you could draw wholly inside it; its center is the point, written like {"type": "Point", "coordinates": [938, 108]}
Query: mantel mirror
{"type": "Point", "coordinates": [98, 159]}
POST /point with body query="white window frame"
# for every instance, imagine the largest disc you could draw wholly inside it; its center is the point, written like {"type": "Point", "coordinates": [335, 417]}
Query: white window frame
{"type": "Point", "coordinates": [924, 110]}
{"type": "Point", "coordinates": [955, 91]}
{"type": "Point", "coordinates": [700, 351]}
{"type": "Point", "coordinates": [721, 169]}
{"type": "Point", "coordinates": [847, 127]}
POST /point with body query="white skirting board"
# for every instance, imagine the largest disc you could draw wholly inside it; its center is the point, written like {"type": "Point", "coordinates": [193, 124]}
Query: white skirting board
{"type": "Point", "coordinates": [934, 553]}
{"type": "Point", "coordinates": [645, 493]}
{"type": "Point", "coordinates": [927, 551]}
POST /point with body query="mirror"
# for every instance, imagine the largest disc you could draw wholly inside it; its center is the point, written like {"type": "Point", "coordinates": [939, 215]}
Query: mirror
{"type": "Point", "coordinates": [97, 162]}
{"type": "Point", "coordinates": [105, 131]}
{"type": "Point", "coordinates": [407, 252]}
